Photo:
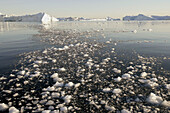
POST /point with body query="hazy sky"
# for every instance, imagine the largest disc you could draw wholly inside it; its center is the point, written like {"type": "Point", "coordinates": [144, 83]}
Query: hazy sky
{"type": "Point", "coordinates": [86, 8]}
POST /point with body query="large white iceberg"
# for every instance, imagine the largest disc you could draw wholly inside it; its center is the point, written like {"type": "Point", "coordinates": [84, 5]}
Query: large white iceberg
{"type": "Point", "coordinates": [40, 17]}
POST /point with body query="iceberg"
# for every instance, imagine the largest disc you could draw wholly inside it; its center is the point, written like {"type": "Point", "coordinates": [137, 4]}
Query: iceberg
{"type": "Point", "coordinates": [138, 17]}
{"type": "Point", "coordinates": [161, 17]}
{"type": "Point", "coordinates": [40, 17]}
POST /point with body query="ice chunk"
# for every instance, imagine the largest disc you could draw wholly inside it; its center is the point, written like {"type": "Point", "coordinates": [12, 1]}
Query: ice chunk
{"type": "Point", "coordinates": [55, 95]}
{"type": "Point", "coordinates": [3, 106]}
{"type": "Point", "coordinates": [126, 76]}
{"type": "Point", "coordinates": [165, 103]}
{"type": "Point", "coordinates": [57, 84]}
{"type": "Point", "coordinates": [116, 70]}
{"type": "Point", "coordinates": [117, 91]}
{"type": "Point", "coordinates": [167, 86]}
{"type": "Point", "coordinates": [70, 84]}
{"type": "Point", "coordinates": [13, 110]}
{"type": "Point", "coordinates": [154, 79]}
{"type": "Point", "coordinates": [50, 102]}
{"type": "Point", "coordinates": [143, 74]}
{"type": "Point", "coordinates": [38, 62]}
{"type": "Point", "coordinates": [118, 79]}
{"type": "Point", "coordinates": [46, 111]}
{"type": "Point", "coordinates": [110, 108]}
{"type": "Point", "coordinates": [135, 31]}
{"type": "Point", "coordinates": [106, 90]}
{"type": "Point", "coordinates": [77, 85]}
{"type": "Point", "coordinates": [125, 111]}
{"type": "Point", "coordinates": [21, 72]}
{"type": "Point", "coordinates": [62, 69]}
{"type": "Point", "coordinates": [67, 98]}
{"type": "Point", "coordinates": [55, 75]}
{"type": "Point", "coordinates": [63, 109]}
{"type": "Point", "coordinates": [154, 99]}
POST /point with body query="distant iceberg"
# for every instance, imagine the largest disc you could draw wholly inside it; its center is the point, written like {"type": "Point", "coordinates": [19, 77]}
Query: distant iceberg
{"type": "Point", "coordinates": [40, 17]}
{"type": "Point", "coordinates": [161, 17]}
{"type": "Point", "coordinates": [138, 17]}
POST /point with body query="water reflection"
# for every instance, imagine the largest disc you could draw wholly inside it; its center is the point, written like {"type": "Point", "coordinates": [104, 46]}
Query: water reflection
{"type": "Point", "coordinates": [4, 26]}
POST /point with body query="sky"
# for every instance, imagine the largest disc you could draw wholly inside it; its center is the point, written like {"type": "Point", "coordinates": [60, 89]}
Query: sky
{"type": "Point", "coordinates": [86, 8]}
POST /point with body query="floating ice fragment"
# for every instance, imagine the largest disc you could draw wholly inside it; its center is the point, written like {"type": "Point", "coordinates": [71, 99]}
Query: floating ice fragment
{"type": "Point", "coordinates": [116, 70]}
{"type": "Point", "coordinates": [144, 81]}
{"type": "Point", "coordinates": [130, 67]}
{"type": "Point", "coordinates": [13, 110]}
{"type": "Point", "coordinates": [63, 109]}
{"type": "Point", "coordinates": [86, 55]}
{"type": "Point", "coordinates": [45, 52]}
{"type": "Point", "coordinates": [152, 84]}
{"type": "Point", "coordinates": [50, 102]}
{"type": "Point", "coordinates": [107, 42]}
{"type": "Point", "coordinates": [166, 103]}
{"type": "Point", "coordinates": [167, 86]}
{"type": "Point", "coordinates": [3, 106]}
{"type": "Point", "coordinates": [55, 95]}
{"type": "Point", "coordinates": [55, 111]}
{"type": "Point", "coordinates": [154, 99]}
{"type": "Point", "coordinates": [135, 31]}
{"type": "Point", "coordinates": [149, 30]}
{"type": "Point", "coordinates": [57, 84]}
{"type": "Point", "coordinates": [102, 102]}
{"type": "Point", "coordinates": [35, 65]}
{"type": "Point", "coordinates": [62, 69]}
{"type": "Point", "coordinates": [43, 101]}
{"type": "Point", "coordinates": [15, 95]}
{"type": "Point", "coordinates": [67, 98]}
{"type": "Point", "coordinates": [12, 75]}
{"type": "Point", "coordinates": [7, 91]}
{"type": "Point", "coordinates": [126, 76]}
{"type": "Point", "coordinates": [71, 45]}
{"type": "Point", "coordinates": [26, 82]}
{"type": "Point", "coordinates": [50, 88]}
{"type": "Point", "coordinates": [125, 111]}
{"type": "Point", "coordinates": [117, 91]}
{"type": "Point", "coordinates": [57, 79]}
{"type": "Point", "coordinates": [55, 75]}
{"type": "Point", "coordinates": [106, 90]}
{"type": "Point", "coordinates": [110, 108]}
{"type": "Point", "coordinates": [21, 72]}
{"type": "Point", "coordinates": [118, 79]}
{"type": "Point", "coordinates": [46, 111]}
{"type": "Point", "coordinates": [70, 84]}
{"type": "Point", "coordinates": [143, 74]}
{"type": "Point", "coordinates": [89, 75]}
{"type": "Point", "coordinates": [66, 47]}
{"type": "Point", "coordinates": [77, 85]}
{"type": "Point", "coordinates": [54, 60]}
{"type": "Point", "coordinates": [154, 79]}
{"type": "Point", "coordinates": [38, 62]}
{"type": "Point", "coordinates": [51, 108]}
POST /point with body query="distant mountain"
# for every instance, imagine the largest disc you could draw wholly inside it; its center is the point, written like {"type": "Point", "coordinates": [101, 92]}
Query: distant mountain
{"type": "Point", "coordinates": [160, 17]}
{"type": "Point", "coordinates": [138, 17]}
{"type": "Point", "coordinates": [40, 17]}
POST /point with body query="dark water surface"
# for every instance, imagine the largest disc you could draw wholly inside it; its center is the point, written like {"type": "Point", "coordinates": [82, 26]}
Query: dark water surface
{"type": "Point", "coordinates": [151, 39]}
{"type": "Point", "coordinates": [16, 38]}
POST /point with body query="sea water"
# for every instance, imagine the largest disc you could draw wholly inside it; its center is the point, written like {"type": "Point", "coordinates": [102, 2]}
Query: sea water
{"type": "Point", "coordinates": [150, 38]}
